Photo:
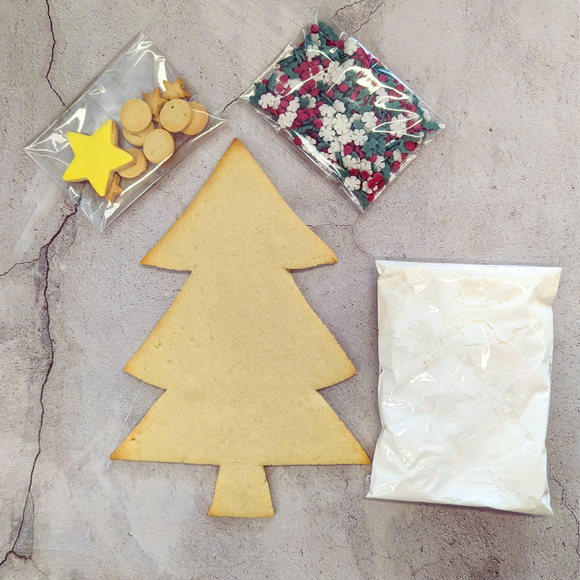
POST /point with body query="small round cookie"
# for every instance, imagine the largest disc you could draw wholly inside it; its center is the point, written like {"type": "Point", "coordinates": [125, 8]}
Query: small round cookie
{"type": "Point", "coordinates": [158, 145]}
{"type": "Point", "coordinates": [135, 115]}
{"type": "Point", "coordinates": [175, 115]}
{"type": "Point", "coordinates": [199, 118]}
{"type": "Point", "coordinates": [137, 139]}
{"type": "Point", "coordinates": [139, 167]}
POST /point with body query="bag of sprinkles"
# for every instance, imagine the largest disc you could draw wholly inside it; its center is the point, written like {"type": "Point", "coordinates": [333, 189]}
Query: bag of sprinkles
{"type": "Point", "coordinates": [344, 110]}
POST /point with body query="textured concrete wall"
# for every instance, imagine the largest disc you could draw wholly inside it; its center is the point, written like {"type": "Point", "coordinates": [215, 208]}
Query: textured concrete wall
{"type": "Point", "coordinates": [499, 186]}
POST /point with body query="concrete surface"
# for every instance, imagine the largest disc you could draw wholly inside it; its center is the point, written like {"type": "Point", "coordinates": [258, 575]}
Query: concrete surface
{"type": "Point", "coordinates": [499, 186]}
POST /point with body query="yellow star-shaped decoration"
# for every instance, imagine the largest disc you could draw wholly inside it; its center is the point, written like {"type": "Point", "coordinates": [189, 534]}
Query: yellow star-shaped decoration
{"type": "Point", "coordinates": [96, 157]}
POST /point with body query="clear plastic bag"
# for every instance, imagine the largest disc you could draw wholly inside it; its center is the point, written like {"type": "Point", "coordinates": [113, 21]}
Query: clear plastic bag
{"type": "Point", "coordinates": [344, 110]}
{"type": "Point", "coordinates": [464, 386]}
{"type": "Point", "coordinates": [138, 68]}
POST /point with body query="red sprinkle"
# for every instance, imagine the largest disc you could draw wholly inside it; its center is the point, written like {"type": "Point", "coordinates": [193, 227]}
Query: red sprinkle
{"type": "Point", "coordinates": [304, 75]}
{"type": "Point", "coordinates": [314, 29]}
{"type": "Point", "coordinates": [364, 174]}
{"type": "Point", "coordinates": [395, 166]}
{"type": "Point", "coordinates": [347, 151]}
{"type": "Point", "coordinates": [410, 146]}
{"type": "Point", "coordinates": [373, 159]}
{"type": "Point", "coordinates": [343, 88]}
{"type": "Point", "coordinates": [388, 154]}
{"type": "Point", "coordinates": [314, 70]}
{"type": "Point", "coordinates": [264, 81]}
{"type": "Point", "coordinates": [404, 156]}
{"type": "Point", "coordinates": [284, 103]}
{"type": "Point", "coordinates": [284, 79]}
{"type": "Point", "coordinates": [383, 78]}
{"type": "Point", "coordinates": [302, 91]}
{"type": "Point", "coordinates": [279, 88]}
{"type": "Point", "coordinates": [326, 63]}
{"type": "Point", "coordinates": [310, 84]}
{"type": "Point", "coordinates": [353, 171]}
{"type": "Point", "coordinates": [330, 93]}
{"type": "Point", "coordinates": [304, 65]}
{"type": "Point", "coordinates": [371, 196]}
{"type": "Point", "coordinates": [340, 44]}
{"type": "Point", "coordinates": [297, 141]}
{"type": "Point", "coordinates": [317, 123]}
{"type": "Point", "coordinates": [314, 92]}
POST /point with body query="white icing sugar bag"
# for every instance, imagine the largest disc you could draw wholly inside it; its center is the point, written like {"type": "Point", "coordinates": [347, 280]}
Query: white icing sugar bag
{"type": "Point", "coordinates": [464, 385]}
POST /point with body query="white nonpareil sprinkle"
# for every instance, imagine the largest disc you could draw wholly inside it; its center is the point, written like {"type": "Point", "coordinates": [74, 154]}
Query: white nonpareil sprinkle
{"type": "Point", "coordinates": [341, 123]}
{"type": "Point", "coordinates": [267, 100]}
{"type": "Point", "coordinates": [398, 126]}
{"type": "Point", "coordinates": [293, 105]}
{"type": "Point", "coordinates": [350, 46]}
{"type": "Point", "coordinates": [286, 119]}
{"type": "Point", "coordinates": [339, 106]}
{"type": "Point", "coordinates": [464, 384]}
{"type": "Point", "coordinates": [352, 182]}
{"type": "Point", "coordinates": [359, 137]}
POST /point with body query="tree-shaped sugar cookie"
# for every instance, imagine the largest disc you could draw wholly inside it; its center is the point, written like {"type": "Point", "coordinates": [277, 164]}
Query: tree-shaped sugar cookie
{"type": "Point", "coordinates": [239, 353]}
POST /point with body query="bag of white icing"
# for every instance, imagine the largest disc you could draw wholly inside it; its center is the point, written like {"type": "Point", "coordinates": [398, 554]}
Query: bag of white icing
{"type": "Point", "coordinates": [464, 384]}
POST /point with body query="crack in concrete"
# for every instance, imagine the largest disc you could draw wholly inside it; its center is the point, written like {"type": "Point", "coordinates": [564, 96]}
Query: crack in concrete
{"type": "Point", "coordinates": [44, 263]}
{"type": "Point", "coordinates": [234, 100]}
{"type": "Point", "coordinates": [565, 504]}
{"type": "Point", "coordinates": [51, 54]}
{"type": "Point", "coordinates": [350, 228]}
{"type": "Point", "coordinates": [17, 264]}
{"type": "Point", "coordinates": [347, 6]}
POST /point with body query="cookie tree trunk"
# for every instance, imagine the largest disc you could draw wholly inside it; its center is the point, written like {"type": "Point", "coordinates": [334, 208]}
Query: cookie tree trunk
{"type": "Point", "coordinates": [242, 491]}
{"type": "Point", "coordinates": [240, 354]}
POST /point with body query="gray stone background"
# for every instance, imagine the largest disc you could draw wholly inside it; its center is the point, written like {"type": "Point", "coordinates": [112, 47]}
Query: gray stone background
{"type": "Point", "coordinates": [498, 186]}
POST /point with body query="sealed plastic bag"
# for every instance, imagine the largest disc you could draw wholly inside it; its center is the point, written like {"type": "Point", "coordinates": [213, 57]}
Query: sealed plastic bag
{"type": "Point", "coordinates": [139, 68]}
{"type": "Point", "coordinates": [464, 386]}
{"type": "Point", "coordinates": [344, 109]}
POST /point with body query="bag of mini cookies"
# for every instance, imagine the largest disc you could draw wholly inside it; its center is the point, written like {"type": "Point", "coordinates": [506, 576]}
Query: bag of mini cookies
{"type": "Point", "coordinates": [131, 126]}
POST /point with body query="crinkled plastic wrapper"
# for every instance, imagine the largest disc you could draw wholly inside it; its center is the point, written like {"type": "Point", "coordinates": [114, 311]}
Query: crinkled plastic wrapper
{"type": "Point", "coordinates": [344, 110]}
{"type": "Point", "coordinates": [465, 357]}
{"type": "Point", "coordinates": [138, 68]}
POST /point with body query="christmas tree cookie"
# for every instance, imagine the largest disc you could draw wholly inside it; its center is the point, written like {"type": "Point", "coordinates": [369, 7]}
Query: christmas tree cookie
{"type": "Point", "coordinates": [240, 354]}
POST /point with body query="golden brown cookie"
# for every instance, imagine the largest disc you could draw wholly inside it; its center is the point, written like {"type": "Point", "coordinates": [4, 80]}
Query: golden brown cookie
{"type": "Point", "coordinates": [139, 167]}
{"type": "Point", "coordinates": [175, 90]}
{"type": "Point", "coordinates": [240, 362]}
{"type": "Point", "coordinates": [175, 115]}
{"type": "Point", "coordinates": [154, 100]}
{"type": "Point", "coordinates": [137, 139]}
{"type": "Point", "coordinates": [199, 118]}
{"type": "Point", "coordinates": [114, 190]}
{"type": "Point", "coordinates": [135, 115]}
{"type": "Point", "coordinates": [158, 146]}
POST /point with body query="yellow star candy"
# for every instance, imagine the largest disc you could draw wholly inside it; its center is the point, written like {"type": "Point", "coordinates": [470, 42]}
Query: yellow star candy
{"type": "Point", "coordinates": [96, 157]}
